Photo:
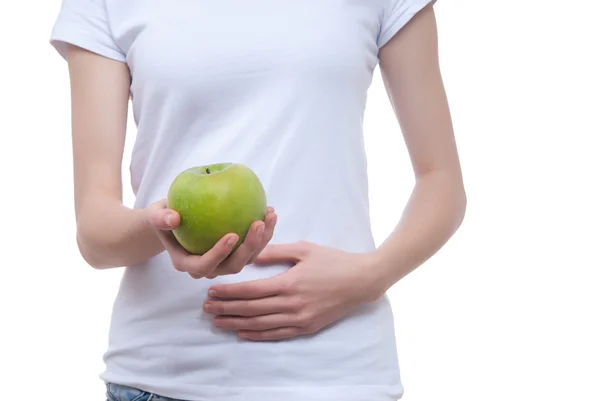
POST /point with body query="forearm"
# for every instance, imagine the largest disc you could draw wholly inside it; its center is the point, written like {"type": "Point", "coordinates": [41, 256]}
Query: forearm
{"type": "Point", "coordinates": [112, 235]}
{"type": "Point", "coordinates": [433, 213]}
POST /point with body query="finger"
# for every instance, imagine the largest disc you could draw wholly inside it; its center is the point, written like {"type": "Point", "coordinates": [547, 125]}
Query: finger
{"type": "Point", "coordinates": [255, 323]}
{"type": "Point", "coordinates": [280, 333]}
{"type": "Point", "coordinates": [196, 265]}
{"type": "Point", "coordinates": [205, 265]}
{"type": "Point", "coordinates": [161, 217]}
{"type": "Point", "coordinates": [254, 289]}
{"type": "Point", "coordinates": [238, 259]}
{"type": "Point", "coordinates": [278, 253]}
{"type": "Point", "coordinates": [270, 222]}
{"type": "Point", "coordinates": [255, 307]}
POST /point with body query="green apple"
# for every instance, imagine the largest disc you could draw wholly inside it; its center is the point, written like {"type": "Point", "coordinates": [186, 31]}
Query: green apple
{"type": "Point", "coordinates": [214, 200]}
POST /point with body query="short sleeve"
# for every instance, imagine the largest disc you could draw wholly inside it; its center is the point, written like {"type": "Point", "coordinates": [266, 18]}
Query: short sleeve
{"type": "Point", "coordinates": [397, 14]}
{"type": "Point", "coordinates": [84, 23]}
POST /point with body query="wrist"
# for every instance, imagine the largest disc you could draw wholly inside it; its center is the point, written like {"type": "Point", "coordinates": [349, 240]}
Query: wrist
{"type": "Point", "coordinates": [113, 235]}
{"type": "Point", "coordinates": [376, 281]}
{"type": "Point", "coordinates": [384, 270]}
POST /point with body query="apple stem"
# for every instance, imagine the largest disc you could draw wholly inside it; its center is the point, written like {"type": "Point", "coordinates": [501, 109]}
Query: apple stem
{"type": "Point", "coordinates": [207, 171]}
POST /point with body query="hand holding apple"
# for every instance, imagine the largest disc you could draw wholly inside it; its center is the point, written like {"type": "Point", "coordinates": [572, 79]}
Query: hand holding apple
{"type": "Point", "coordinates": [218, 260]}
{"type": "Point", "coordinates": [215, 219]}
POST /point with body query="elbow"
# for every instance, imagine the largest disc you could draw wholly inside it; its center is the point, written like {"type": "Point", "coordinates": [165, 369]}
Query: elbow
{"type": "Point", "coordinates": [94, 248]}
{"type": "Point", "coordinates": [456, 190]}
{"type": "Point", "coordinates": [455, 195]}
{"type": "Point", "coordinates": [461, 206]}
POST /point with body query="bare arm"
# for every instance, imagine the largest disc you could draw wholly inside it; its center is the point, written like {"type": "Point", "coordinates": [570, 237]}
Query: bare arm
{"type": "Point", "coordinates": [108, 233]}
{"type": "Point", "coordinates": [410, 69]}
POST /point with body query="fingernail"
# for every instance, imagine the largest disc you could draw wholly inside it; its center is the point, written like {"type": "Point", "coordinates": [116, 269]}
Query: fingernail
{"type": "Point", "coordinates": [212, 293]}
{"type": "Point", "coordinates": [207, 306]}
{"type": "Point", "coordinates": [168, 219]}
{"type": "Point", "coordinates": [231, 242]}
{"type": "Point", "coordinates": [260, 229]}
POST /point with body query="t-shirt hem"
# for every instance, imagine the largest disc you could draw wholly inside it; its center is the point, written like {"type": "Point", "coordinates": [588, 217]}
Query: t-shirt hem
{"type": "Point", "coordinates": [61, 37]}
{"type": "Point", "coordinates": [171, 389]}
{"type": "Point", "coordinates": [401, 21]}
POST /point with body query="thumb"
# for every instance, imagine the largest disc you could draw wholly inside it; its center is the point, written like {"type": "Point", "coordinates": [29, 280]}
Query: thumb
{"type": "Point", "coordinates": [162, 218]}
{"type": "Point", "coordinates": [278, 253]}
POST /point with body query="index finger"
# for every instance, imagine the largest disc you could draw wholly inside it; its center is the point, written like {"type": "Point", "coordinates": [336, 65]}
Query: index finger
{"type": "Point", "coordinates": [247, 290]}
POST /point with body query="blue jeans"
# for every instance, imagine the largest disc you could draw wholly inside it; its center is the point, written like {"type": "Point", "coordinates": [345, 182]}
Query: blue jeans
{"type": "Point", "coordinates": [117, 392]}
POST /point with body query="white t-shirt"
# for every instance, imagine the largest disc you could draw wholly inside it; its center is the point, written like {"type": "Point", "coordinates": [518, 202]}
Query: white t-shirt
{"type": "Point", "coordinates": [279, 86]}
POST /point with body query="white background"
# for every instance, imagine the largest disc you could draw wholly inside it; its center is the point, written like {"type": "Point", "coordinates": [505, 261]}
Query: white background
{"type": "Point", "coordinates": [508, 310]}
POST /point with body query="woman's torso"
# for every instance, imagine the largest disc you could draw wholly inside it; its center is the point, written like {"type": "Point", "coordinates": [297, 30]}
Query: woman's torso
{"type": "Point", "coordinates": [279, 86]}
